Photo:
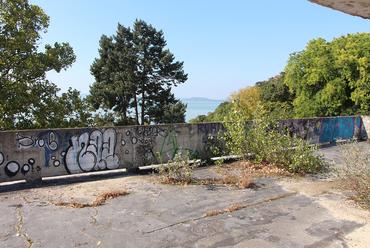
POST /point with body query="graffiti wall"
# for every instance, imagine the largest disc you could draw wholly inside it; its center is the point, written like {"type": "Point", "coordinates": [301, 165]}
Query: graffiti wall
{"type": "Point", "coordinates": [33, 154]}
{"type": "Point", "coordinates": [329, 129]}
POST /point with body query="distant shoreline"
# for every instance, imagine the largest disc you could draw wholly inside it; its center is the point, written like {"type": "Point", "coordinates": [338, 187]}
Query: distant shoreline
{"type": "Point", "coordinates": [200, 99]}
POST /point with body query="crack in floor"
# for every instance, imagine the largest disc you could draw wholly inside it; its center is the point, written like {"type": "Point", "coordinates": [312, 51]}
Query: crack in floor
{"type": "Point", "coordinates": [24, 198]}
{"type": "Point", "coordinates": [93, 217]}
{"type": "Point", "coordinates": [98, 242]}
{"type": "Point", "coordinates": [28, 240]}
{"type": "Point", "coordinates": [222, 212]}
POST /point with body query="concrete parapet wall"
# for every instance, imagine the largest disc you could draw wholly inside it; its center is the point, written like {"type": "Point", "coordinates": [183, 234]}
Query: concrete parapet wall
{"type": "Point", "coordinates": [328, 129]}
{"type": "Point", "coordinates": [33, 154]}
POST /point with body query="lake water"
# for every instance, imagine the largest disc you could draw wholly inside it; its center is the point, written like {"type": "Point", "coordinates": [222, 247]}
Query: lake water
{"type": "Point", "coordinates": [196, 108]}
{"type": "Point", "coordinates": [199, 108]}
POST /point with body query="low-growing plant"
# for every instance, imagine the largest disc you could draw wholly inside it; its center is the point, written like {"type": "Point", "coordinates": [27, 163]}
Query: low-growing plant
{"type": "Point", "coordinates": [213, 212]}
{"type": "Point", "coordinates": [246, 180]}
{"type": "Point", "coordinates": [264, 141]}
{"type": "Point", "coordinates": [355, 169]}
{"type": "Point", "coordinates": [180, 168]}
{"type": "Point", "coordinates": [230, 209]}
{"type": "Point", "coordinates": [233, 208]}
{"type": "Point", "coordinates": [99, 201]}
{"type": "Point", "coordinates": [243, 180]}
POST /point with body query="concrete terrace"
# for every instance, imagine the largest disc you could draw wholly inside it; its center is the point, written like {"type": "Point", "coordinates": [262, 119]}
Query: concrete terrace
{"type": "Point", "coordinates": [307, 212]}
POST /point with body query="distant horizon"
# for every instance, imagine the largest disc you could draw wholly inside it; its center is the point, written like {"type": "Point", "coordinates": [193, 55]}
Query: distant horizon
{"type": "Point", "coordinates": [192, 98]}
{"type": "Point", "coordinates": [200, 99]}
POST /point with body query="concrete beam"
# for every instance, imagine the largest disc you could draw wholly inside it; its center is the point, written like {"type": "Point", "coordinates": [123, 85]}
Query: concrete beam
{"type": "Point", "coordinates": [359, 8]}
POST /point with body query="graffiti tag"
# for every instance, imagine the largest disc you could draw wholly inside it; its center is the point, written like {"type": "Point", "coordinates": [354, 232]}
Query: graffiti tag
{"type": "Point", "coordinates": [93, 151]}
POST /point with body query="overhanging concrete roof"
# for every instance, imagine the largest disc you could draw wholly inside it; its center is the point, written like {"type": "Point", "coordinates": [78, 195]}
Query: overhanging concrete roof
{"type": "Point", "coordinates": [353, 7]}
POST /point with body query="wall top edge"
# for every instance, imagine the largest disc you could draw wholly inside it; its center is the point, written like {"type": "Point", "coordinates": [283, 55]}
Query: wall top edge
{"type": "Point", "coordinates": [171, 124]}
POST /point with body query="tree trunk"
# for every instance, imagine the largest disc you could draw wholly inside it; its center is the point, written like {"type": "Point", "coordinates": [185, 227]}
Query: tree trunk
{"type": "Point", "coordinates": [136, 110]}
{"type": "Point", "coordinates": [142, 106]}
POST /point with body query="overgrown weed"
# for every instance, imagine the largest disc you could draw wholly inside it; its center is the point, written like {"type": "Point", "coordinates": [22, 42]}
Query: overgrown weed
{"type": "Point", "coordinates": [244, 172]}
{"type": "Point", "coordinates": [99, 201]}
{"type": "Point", "coordinates": [243, 180]}
{"type": "Point", "coordinates": [230, 209]}
{"type": "Point", "coordinates": [266, 142]}
{"type": "Point", "coordinates": [355, 170]}
{"type": "Point", "coordinates": [213, 212]}
{"type": "Point", "coordinates": [246, 180]}
{"type": "Point", "coordinates": [233, 208]}
{"type": "Point", "coordinates": [178, 171]}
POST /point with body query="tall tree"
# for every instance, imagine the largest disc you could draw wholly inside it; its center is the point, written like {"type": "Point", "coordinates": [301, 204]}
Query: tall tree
{"type": "Point", "coordinates": [331, 78]}
{"type": "Point", "coordinates": [25, 94]}
{"type": "Point", "coordinates": [134, 71]}
{"type": "Point", "coordinates": [114, 74]}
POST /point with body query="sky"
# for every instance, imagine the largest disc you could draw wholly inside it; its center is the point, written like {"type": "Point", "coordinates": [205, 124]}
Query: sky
{"type": "Point", "coordinates": [225, 45]}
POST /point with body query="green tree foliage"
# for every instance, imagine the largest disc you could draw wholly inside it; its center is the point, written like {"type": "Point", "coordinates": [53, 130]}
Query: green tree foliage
{"type": "Point", "coordinates": [198, 119]}
{"type": "Point", "coordinates": [276, 97]}
{"type": "Point", "coordinates": [247, 99]}
{"type": "Point", "coordinates": [217, 116]}
{"type": "Point", "coordinates": [134, 71]}
{"type": "Point", "coordinates": [172, 113]}
{"type": "Point", "coordinates": [265, 142]}
{"type": "Point", "coordinates": [220, 112]}
{"type": "Point", "coordinates": [69, 110]}
{"type": "Point", "coordinates": [27, 99]}
{"type": "Point", "coordinates": [331, 78]}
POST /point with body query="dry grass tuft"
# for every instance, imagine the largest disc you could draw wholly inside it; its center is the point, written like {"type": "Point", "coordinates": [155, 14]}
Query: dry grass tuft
{"type": "Point", "coordinates": [248, 171]}
{"type": "Point", "coordinates": [233, 208]}
{"type": "Point", "coordinates": [230, 179]}
{"type": "Point", "coordinates": [264, 169]}
{"type": "Point", "coordinates": [360, 185]}
{"type": "Point", "coordinates": [230, 209]}
{"type": "Point", "coordinates": [246, 180]}
{"type": "Point", "coordinates": [113, 194]}
{"type": "Point", "coordinates": [99, 201]}
{"type": "Point", "coordinates": [213, 212]}
{"type": "Point", "coordinates": [174, 181]}
{"type": "Point", "coordinates": [355, 170]}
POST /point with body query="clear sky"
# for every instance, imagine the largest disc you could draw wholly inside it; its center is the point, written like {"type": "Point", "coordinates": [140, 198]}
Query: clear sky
{"type": "Point", "coordinates": [225, 45]}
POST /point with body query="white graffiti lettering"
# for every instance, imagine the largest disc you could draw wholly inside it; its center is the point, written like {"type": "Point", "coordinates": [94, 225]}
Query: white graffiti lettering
{"type": "Point", "coordinates": [92, 152]}
{"type": "Point", "coordinates": [1, 158]}
{"type": "Point", "coordinates": [24, 142]}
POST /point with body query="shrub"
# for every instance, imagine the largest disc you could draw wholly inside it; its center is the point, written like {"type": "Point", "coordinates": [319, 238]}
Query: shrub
{"type": "Point", "coordinates": [178, 169]}
{"type": "Point", "coordinates": [356, 169]}
{"type": "Point", "coordinates": [266, 141]}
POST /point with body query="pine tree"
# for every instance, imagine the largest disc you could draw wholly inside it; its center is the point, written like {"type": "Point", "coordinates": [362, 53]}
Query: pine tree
{"type": "Point", "coordinates": [135, 71]}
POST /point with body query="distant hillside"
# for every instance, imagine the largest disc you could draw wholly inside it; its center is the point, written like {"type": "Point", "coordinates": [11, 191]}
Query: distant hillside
{"type": "Point", "coordinates": [200, 99]}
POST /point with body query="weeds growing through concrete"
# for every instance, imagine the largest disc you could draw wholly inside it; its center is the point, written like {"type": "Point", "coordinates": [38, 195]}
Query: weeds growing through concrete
{"type": "Point", "coordinates": [356, 169]}
{"type": "Point", "coordinates": [243, 180]}
{"type": "Point", "coordinates": [213, 212]}
{"type": "Point", "coordinates": [246, 180]}
{"type": "Point", "coordinates": [233, 208]}
{"type": "Point", "coordinates": [179, 170]}
{"type": "Point", "coordinates": [99, 201]}
{"type": "Point", "coordinates": [264, 141]}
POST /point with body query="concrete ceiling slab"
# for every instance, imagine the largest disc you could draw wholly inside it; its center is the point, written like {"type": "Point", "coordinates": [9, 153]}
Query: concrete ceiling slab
{"type": "Point", "coordinates": [359, 8]}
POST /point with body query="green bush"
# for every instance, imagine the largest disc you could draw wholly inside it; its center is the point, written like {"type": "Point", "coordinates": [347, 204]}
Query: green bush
{"type": "Point", "coordinates": [180, 168]}
{"type": "Point", "coordinates": [265, 141]}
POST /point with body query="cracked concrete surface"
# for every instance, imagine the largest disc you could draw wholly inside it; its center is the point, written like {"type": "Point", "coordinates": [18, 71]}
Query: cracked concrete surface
{"type": "Point", "coordinates": [277, 213]}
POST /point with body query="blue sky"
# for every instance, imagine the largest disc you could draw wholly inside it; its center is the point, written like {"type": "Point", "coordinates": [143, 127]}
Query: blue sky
{"type": "Point", "coordinates": [225, 45]}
